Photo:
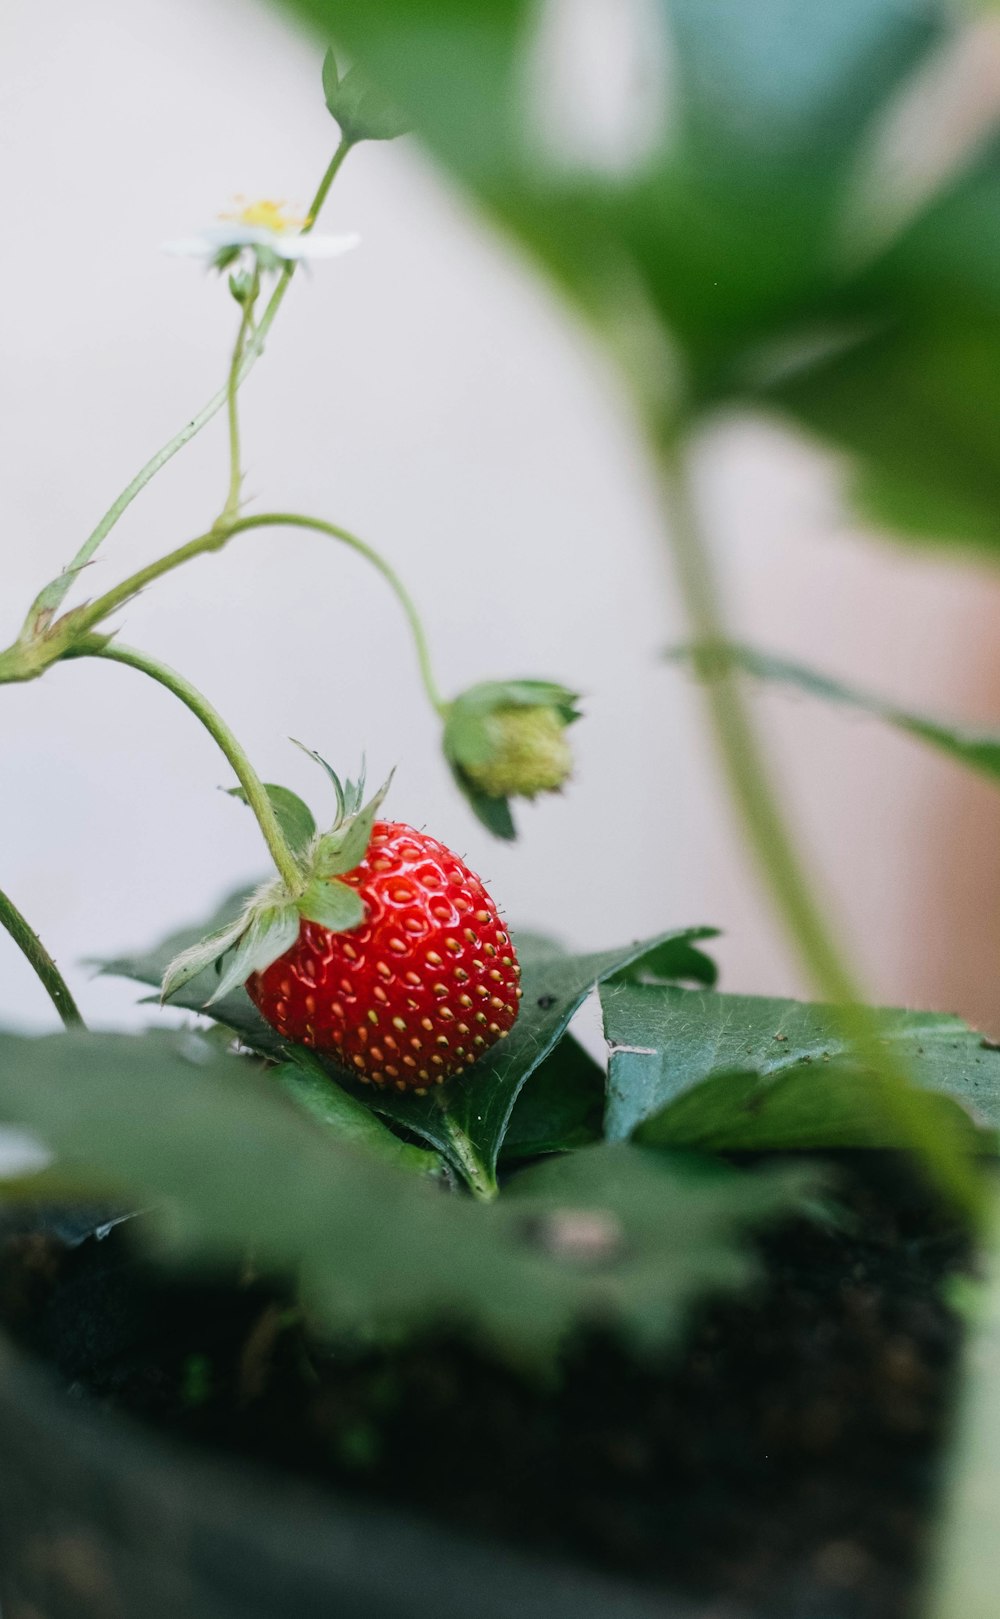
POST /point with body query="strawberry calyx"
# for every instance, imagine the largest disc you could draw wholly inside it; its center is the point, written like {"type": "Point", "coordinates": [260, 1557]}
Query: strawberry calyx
{"type": "Point", "coordinates": [505, 739]}
{"type": "Point", "coordinates": [269, 923]}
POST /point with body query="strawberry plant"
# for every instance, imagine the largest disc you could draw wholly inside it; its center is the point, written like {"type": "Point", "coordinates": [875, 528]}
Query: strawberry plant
{"type": "Point", "coordinates": [366, 1117]}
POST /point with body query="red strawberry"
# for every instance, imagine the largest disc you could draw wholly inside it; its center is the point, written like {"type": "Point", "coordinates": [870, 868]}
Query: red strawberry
{"type": "Point", "coordinates": [420, 989]}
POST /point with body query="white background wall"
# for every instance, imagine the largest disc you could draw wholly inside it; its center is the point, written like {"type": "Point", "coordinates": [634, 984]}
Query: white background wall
{"type": "Point", "coordinates": [427, 392]}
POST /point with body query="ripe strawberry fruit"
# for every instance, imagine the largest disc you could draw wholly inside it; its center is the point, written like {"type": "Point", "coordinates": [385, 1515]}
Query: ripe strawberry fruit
{"type": "Point", "coordinates": [418, 991]}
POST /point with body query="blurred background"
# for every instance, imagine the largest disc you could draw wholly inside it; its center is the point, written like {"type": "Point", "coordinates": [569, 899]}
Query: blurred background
{"type": "Point", "coordinates": [431, 393]}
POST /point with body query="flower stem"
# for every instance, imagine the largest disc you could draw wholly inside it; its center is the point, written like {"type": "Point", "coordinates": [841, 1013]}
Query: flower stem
{"type": "Point", "coordinates": [32, 947]}
{"type": "Point", "coordinates": [215, 538]}
{"type": "Point", "coordinates": [756, 801]}
{"type": "Point", "coordinates": [51, 598]}
{"type": "Point", "coordinates": [232, 505]}
{"type": "Point", "coordinates": [215, 725]}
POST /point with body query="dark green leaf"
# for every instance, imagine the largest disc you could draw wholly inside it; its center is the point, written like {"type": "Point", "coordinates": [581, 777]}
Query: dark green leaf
{"type": "Point", "coordinates": [561, 1106]}
{"type": "Point", "coordinates": [231, 1168]}
{"type": "Point", "coordinates": [678, 961]}
{"type": "Point", "coordinates": [467, 1119]}
{"type": "Point", "coordinates": [979, 750]}
{"type": "Point", "coordinates": [294, 817]}
{"type": "Point", "coordinates": [333, 904]}
{"type": "Point", "coordinates": [721, 1072]}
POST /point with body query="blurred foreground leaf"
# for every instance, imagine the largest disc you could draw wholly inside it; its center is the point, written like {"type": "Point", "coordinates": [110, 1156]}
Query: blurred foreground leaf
{"type": "Point", "coordinates": [230, 1169]}
{"type": "Point", "coordinates": [723, 256]}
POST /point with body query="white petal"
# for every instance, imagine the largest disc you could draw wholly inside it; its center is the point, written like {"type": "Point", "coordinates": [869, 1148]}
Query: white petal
{"type": "Point", "coordinates": [316, 247]}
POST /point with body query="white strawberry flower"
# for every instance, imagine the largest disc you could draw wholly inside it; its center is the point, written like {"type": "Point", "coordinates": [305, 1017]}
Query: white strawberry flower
{"type": "Point", "coordinates": [264, 232]}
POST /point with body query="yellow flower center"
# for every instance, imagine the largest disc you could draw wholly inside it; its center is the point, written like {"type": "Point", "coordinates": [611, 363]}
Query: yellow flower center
{"type": "Point", "coordinates": [267, 215]}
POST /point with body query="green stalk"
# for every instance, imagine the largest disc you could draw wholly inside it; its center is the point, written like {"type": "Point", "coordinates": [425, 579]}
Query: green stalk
{"type": "Point", "coordinates": [480, 1182]}
{"type": "Point", "coordinates": [232, 505]}
{"type": "Point", "coordinates": [51, 598]}
{"type": "Point", "coordinates": [96, 611]}
{"type": "Point", "coordinates": [756, 802]}
{"type": "Point", "coordinates": [27, 940]}
{"type": "Point", "coordinates": [215, 725]}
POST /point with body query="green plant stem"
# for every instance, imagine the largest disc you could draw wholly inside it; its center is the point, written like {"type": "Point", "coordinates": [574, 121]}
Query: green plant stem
{"type": "Point", "coordinates": [767, 834]}
{"type": "Point", "coordinates": [31, 946]}
{"type": "Point", "coordinates": [215, 725]}
{"type": "Point", "coordinates": [232, 505]}
{"type": "Point", "coordinates": [55, 593]}
{"type": "Point", "coordinates": [99, 609]}
{"type": "Point", "coordinates": [480, 1182]}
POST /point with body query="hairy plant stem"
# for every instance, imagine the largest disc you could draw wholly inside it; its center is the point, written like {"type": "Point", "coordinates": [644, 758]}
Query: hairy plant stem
{"type": "Point", "coordinates": [232, 505]}
{"type": "Point", "coordinates": [31, 946]}
{"type": "Point", "coordinates": [757, 804]}
{"type": "Point", "coordinates": [215, 725]}
{"type": "Point", "coordinates": [97, 611]}
{"type": "Point", "coordinates": [51, 598]}
{"type": "Point", "coordinates": [480, 1182]}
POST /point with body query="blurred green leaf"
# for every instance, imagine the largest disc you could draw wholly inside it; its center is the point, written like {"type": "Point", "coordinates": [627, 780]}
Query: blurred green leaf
{"type": "Point", "coordinates": [362, 113]}
{"type": "Point", "coordinates": [725, 1072]}
{"type": "Point", "coordinates": [307, 1082]}
{"type": "Point", "coordinates": [232, 1168]}
{"type": "Point", "coordinates": [979, 750]}
{"type": "Point", "coordinates": [716, 264]}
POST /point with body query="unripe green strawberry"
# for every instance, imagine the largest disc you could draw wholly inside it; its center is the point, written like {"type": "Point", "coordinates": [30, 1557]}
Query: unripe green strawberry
{"type": "Point", "coordinates": [415, 993]}
{"type": "Point", "coordinates": [530, 754]}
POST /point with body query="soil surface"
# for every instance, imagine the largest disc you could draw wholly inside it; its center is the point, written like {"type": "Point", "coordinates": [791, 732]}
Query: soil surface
{"type": "Point", "coordinates": [786, 1463]}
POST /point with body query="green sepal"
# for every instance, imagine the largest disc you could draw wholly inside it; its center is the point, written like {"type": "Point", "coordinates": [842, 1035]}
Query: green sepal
{"type": "Point", "coordinates": [346, 843]}
{"type": "Point", "coordinates": [197, 957]}
{"type": "Point", "coordinates": [493, 813]}
{"type": "Point", "coordinates": [293, 816]}
{"type": "Point", "coordinates": [332, 904]}
{"type": "Point", "coordinates": [470, 739]}
{"type": "Point", "coordinates": [363, 113]}
{"type": "Point", "coordinates": [270, 932]}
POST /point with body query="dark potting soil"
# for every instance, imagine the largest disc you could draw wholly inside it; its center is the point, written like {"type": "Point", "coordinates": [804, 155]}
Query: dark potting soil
{"type": "Point", "coordinates": [786, 1462]}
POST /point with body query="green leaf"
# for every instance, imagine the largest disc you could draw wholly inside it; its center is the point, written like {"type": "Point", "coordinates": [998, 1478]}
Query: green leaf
{"type": "Point", "coordinates": [361, 111]}
{"type": "Point", "coordinates": [466, 1120]}
{"type": "Point", "coordinates": [293, 816]}
{"type": "Point", "coordinates": [560, 1108]}
{"type": "Point", "coordinates": [717, 262]}
{"type": "Point", "coordinates": [726, 1072]}
{"type": "Point", "coordinates": [677, 961]}
{"type": "Point", "coordinates": [333, 904]}
{"type": "Point", "coordinates": [229, 1167]}
{"type": "Point", "coordinates": [308, 1084]}
{"type": "Point", "coordinates": [979, 750]}
{"type": "Point", "coordinates": [915, 406]}
{"type": "Point", "coordinates": [271, 931]}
